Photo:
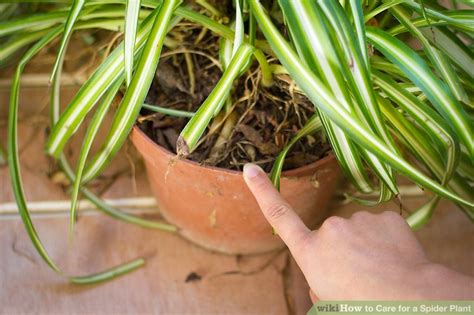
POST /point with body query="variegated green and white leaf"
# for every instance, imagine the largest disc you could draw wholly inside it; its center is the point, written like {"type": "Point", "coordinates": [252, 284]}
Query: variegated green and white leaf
{"type": "Point", "coordinates": [136, 92]}
{"type": "Point", "coordinates": [419, 73]}
{"type": "Point", "coordinates": [74, 12]}
{"type": "Point", "coordinates": [131, 22]}
{"type": "Point", "coordinates": [196, 126]}
{"type": "Point", "coordinates": [323, 99]}
{"type": "Point", "coordinates": [312, 126]}
{"type": "Point", "coordinates": [439, 61]}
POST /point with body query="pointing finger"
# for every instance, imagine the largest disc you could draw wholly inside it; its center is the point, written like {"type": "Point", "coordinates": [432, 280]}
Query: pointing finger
{"type": "Point", "coordinates": [277, 211]}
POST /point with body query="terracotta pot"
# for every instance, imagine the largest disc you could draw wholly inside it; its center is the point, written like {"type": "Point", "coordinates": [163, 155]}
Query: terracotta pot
{"type": "Point", "coordinates": [214, 208]}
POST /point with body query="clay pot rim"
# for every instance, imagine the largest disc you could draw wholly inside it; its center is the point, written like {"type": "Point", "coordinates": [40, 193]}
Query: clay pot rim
{"type": "Point", "coordinates": [300, 171]}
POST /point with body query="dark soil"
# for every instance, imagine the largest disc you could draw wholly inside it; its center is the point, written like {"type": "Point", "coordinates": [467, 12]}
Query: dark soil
{"type": "Point", "coordinates": [263, 119]}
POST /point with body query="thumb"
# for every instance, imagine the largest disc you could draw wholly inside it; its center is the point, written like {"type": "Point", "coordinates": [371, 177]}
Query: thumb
{"type": "Point", "coordinates": [275, 209]}
{"type": "Point", "coordinates": [314, 298]}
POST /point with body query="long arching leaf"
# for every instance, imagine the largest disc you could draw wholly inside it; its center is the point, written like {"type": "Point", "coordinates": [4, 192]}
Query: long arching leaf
{"type": "Point", "coordinates": [321, 97]}
{"type": "Point", "coordinates": [131, 22]}
{"type": "Point", "coordinates": [15, 173]}
{"type": "Point", "coordinates": [92, 90]}
{"type": "Point", "coordinates": [136, 92]}
{"type": "Point", "coordinates": [74, 12]}
{"type": "Point", "coordinates": [312, 126]}
{"type": "Point", "coordinates": [418, 72]}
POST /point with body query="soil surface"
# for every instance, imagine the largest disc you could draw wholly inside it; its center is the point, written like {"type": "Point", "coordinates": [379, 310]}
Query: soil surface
{"type": "Point", "coordinates": [257, 122]}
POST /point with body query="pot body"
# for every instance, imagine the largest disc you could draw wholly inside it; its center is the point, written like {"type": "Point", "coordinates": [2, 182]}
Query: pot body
{"type": "Point", "coordinates": [213, 207]}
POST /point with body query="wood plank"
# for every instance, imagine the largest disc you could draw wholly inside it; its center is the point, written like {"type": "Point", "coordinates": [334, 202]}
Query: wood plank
{"type": "Point", "coordinates": [228, 284]}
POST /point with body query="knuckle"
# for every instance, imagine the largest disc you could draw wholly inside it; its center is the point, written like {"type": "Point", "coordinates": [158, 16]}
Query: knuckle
{"type": "Point", "coordinates": [392, 215]}
{"type": "Point", "coordinates": [276, 211]}
{"type": "Point", "coordinates": [361, 215]}
{"type": "Point", "coordinates": [333, 224]}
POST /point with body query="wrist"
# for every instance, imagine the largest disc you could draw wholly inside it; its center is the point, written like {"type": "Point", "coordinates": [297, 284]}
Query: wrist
{"type": "Point", "coordinates": [437, 282]}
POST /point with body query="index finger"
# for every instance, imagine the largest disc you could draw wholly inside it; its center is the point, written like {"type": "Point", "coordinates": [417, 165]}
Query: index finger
{"type": "Point", "coordinates": [275, 209]}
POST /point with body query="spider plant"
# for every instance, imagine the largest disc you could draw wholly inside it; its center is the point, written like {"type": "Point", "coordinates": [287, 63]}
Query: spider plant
{"type": "Point", "coordinates": [387, 108]}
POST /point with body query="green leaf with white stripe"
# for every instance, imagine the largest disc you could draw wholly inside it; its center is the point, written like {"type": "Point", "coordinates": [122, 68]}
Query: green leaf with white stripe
{"type": "Point", "coordinates": [443, 138]}
{"type": "Point", "coordinates": [136, 92]}
{"type": "Point", "coordinates": [15, 173]}
{"type": "Point", "coordinates": [196, 126]}
{"type": "Point", "coordinates": [453, 47]}
{"type": "Point", "coordinates": [356, 70]}
{"type": "Point", "coordinates": [101, 205]}
{"type": "Point", "coordinates": [439, 15]}
{"type": "Point", "coordinates": [239, 27]}
{"type": "Point", "coordinates": [92, 90]}
{"type": "Point", "coordinates": [439, 61]}
{"type": "Point", "coordinates": [74, 12]}
{"type": "Point", "coordinates": [315, 41]}
{"type": "Point", "coordinates": [419, 73]}
{"type": "Point", "coordinates": [89, 137]}
{"type": "Point", "coordinates": [13, 154]}
{"type": "Point", "coordinates": [315, 48]}
{"type": "Point", "coordinates": [131, 22]}
{"type": "Point", "coordinates": [323, 99]}
{"type": "Point", "coordinates": [312, 126]}
{"type": "Point", "coordinates": [419, 143]}
{"type": "Point", "coordinates": [356, 66]}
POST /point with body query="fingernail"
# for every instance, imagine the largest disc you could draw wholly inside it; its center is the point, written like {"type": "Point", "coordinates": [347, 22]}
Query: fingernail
{"type": "Point", "coordinates": [251, 170]}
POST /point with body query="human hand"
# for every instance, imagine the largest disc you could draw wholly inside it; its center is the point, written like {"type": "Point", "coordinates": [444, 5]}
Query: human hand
{"type": "Point", "coordinates": [366, 257]}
